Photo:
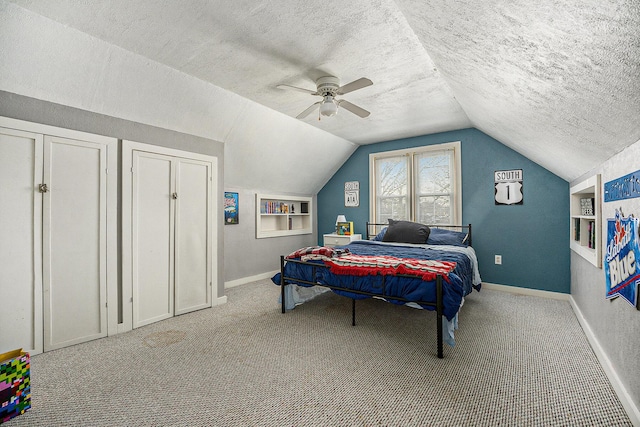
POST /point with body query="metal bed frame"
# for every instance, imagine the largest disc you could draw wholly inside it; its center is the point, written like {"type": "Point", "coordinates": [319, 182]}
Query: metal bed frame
{"type": "Point", "coordinates": [437, 304]}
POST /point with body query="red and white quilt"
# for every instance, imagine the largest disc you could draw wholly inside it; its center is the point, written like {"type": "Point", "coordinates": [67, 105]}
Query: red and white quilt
{"type": "Point", "coordinates": [365, 265]}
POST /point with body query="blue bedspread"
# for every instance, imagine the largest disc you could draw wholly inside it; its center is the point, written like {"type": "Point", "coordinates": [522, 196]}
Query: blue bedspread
{"type": "Point", "coordinates": [460, 283]}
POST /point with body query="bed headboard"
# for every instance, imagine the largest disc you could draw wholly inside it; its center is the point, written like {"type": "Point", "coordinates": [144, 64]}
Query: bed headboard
{"type": "Point", "coordinates": [374, 228]}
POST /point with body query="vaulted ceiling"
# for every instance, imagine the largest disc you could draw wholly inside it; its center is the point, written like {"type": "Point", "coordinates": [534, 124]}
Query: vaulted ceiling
{"type": "Point", "coordinates": [557, 81]}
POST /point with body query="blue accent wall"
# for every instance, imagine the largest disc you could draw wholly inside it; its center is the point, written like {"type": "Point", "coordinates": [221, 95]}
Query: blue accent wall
{"type": "Point", "coordinates": [533, 238]}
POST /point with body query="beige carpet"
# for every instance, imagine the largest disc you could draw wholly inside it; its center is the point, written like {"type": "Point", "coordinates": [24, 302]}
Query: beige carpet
{"type": "Point", "coordinates": [518, 361]}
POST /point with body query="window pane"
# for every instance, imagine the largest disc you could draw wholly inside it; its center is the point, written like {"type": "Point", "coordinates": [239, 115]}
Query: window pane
{"type": "Point", "coordinates": [392, 183]}
{"type": "Point", "coordinates": [392, 207]}
{"type": "Point", "coordinates": [391, 176]}
{"type": "Point", "coordinates": [433, 173]}
{"type": "Point", "coordinates": [435, 210]}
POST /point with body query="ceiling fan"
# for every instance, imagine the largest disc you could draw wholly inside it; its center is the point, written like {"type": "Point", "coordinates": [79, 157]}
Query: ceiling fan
{"type": "Point", "coordinates": [328, 88]}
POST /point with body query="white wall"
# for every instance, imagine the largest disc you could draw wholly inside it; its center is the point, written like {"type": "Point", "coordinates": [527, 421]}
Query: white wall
{"type": "Point", "coordinates": [614, 323]}
{"type": "Point", "coordinates": [246, 256]}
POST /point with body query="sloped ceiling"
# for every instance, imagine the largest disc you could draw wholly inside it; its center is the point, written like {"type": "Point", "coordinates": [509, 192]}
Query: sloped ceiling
{"type": "Point", "coordinates": [558, 81]}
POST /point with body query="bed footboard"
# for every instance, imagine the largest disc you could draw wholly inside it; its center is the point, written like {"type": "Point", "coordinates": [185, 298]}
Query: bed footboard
{"type": "Point", "coordinates": [438, 304]}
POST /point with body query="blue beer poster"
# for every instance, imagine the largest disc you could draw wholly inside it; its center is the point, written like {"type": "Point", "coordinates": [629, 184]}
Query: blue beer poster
{"type": "Point", "coordinates": [231, 208]}
{"type": "Point", "coordinates": [621, 260]}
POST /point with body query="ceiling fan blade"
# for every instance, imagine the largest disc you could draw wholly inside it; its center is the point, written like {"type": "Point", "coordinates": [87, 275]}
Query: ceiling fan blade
{"type": "Point", "coordinates": [353, 108]}
{"type": "Point", "coordinates": [299, 89]}
{"type": "Point", "coordinates": [308, 111]}
{"type": "Point", "coordinates": [354, 85]}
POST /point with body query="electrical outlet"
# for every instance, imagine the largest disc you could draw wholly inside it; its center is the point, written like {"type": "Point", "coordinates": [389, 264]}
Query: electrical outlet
{"type": "Point", "coordinates": [499, 259]}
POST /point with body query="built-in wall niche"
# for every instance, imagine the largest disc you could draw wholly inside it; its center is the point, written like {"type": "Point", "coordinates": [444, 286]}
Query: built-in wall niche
{"type": "Point", "coordinates": [586, 220]}
{"type": "Point", "coordinates": [278, 215]}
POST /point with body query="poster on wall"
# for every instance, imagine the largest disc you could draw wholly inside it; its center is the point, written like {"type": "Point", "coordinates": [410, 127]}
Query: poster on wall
{"type": "Point", "coordinates": [352, 194]}
{"type": "Point", "coordinates": [508, 187]}
{"type": "Point", "coordinates": [621, 266]}
{"type": "Point", "coordinates": [231, 208]}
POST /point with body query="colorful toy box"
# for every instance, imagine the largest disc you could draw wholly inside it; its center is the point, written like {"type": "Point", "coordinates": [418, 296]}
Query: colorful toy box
{"type": "Point", "coordinates": [15, 384]}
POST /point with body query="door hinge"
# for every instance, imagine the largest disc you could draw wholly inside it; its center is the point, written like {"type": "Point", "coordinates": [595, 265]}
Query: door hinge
{"type": "Point", "coordinates": [43, 188]}
{"type": "Point", "coordinates": [174, 196]}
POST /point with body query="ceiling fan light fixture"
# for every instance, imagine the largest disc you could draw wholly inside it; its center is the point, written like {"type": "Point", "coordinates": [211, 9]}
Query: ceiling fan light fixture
{"type": "Point", "coordinates": [328, 107]}
{"type": "Point", "coordinates": [328, 87]}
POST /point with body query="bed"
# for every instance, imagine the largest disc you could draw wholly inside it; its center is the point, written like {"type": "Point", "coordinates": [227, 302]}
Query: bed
{"type": "Point", "coordinates": [421, 266]}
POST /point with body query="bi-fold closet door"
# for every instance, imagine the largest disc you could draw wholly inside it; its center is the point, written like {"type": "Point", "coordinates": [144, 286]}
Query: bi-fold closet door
{"type": "Point", "coordinates": [171, 235]}
{"type": "Point", "coordinates": [55, 244]}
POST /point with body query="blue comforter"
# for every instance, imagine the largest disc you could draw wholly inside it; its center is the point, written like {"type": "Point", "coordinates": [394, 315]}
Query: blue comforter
{"type": "Point", "coordinates": [460, 283]}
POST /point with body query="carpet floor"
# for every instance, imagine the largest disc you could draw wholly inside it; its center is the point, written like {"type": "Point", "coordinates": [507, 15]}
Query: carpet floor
{"type": "Point", "coordinates": [518, 361]}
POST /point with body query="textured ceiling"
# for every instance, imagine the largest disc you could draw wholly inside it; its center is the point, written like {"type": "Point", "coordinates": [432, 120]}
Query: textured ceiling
{"type": "Point", "coordinates": [556, 80]}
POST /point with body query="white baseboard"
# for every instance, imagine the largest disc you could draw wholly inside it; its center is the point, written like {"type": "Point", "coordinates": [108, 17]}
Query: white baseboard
{"type": "Point", "coordinates": [632, 410]}
{"type": "Point", "coordinates": [220, 300]}
{"type": "Point", "coordinates": [232, 283]}
{"type": "Point", "coordinates": [526, 291]}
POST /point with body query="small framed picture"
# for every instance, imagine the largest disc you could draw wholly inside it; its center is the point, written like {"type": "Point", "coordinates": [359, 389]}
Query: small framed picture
{"type": "Point", "coordinates": [231, 208]}
{"type": "Point", "coordinates": [352, 194]}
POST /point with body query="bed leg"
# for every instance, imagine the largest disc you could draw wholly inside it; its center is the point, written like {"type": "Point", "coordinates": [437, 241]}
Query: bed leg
{"type": "Point", "coordinates": [439, 314]}
{"type": "Point", "coordinates": [353, 312]}
{"type": "Point", "coordinates": [282, 285]}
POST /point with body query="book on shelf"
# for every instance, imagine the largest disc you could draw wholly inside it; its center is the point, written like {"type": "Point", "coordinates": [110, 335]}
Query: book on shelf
{"type": "Point", "coordinates": [576, 229]}
{"type": "Point", "coordinates": [345, 228]}
{"type": "Point", "coordinates": [273, 207]}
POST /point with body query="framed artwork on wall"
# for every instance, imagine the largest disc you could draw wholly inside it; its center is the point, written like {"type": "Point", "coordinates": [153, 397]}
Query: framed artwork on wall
{"type": "Point", "coordinates": [231, 208]}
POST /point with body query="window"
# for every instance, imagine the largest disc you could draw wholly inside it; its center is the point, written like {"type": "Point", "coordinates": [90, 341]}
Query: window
{"type": "Point", "coordinates": [420, 184]}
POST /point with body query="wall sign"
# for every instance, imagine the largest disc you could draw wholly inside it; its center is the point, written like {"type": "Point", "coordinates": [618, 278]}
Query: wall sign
{"type": "Point", "coordinates": [352, 194]}
{"type": "Point", "coordinates": [508, 187]}
{"type": "Point", "coordinates": [626, 187]}
{"type": "Point", "coordinates": [621, 266]}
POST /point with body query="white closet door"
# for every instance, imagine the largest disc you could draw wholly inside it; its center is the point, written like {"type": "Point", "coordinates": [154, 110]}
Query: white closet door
{"type": "Point", "coordinates": [21, 241]}
{"type": "Point", "coordinates": [192, 251]}
{"type": "Point", "coordinates": [74, 235]}
{"type": "Point", "coordinates": [152, 245]}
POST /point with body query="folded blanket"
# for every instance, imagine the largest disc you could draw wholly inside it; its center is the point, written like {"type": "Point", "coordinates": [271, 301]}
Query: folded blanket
{"type": "Point", "coordinates": [317, 250]}
{"type": "Point", "coordinates": [365, 265]}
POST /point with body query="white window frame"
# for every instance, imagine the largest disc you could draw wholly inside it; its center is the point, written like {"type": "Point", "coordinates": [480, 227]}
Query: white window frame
{"type": "Point", "coordinates": [457, 177]}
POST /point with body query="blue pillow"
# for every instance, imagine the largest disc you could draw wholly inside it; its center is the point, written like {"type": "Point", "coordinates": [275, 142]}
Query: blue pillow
{"type": "Point", "coordinates": [441, 236]}
{"type": "Point", "coordinates": [380, 235]}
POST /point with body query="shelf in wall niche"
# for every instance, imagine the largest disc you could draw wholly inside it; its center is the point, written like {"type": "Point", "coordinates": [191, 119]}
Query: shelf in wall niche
{"type": "Point", "coordinates": [279, 215]}
{"type": "Point", "coordinates": [585, 227]}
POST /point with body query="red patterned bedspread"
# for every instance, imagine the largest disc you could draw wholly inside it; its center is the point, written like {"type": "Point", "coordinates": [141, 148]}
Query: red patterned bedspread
{"type": "Point", "coordinates": [365, 265]}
